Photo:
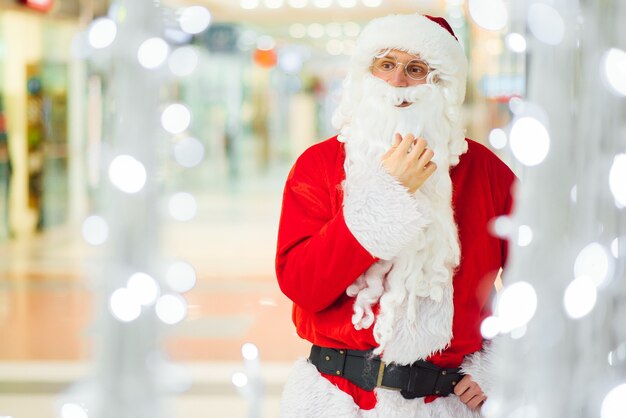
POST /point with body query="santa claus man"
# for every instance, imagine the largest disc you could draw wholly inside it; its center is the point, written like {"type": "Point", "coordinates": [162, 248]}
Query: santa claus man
{"type": "Point", "coordinates": [384, 246]}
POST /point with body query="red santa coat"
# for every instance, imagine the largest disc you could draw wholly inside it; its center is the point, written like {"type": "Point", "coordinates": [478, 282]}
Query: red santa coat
{"type": "Point", "coordinates": [318, 257]}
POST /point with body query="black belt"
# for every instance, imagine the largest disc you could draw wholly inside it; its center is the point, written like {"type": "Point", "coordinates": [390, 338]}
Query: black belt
{"type": "Point", "coordinates": [368, 371]}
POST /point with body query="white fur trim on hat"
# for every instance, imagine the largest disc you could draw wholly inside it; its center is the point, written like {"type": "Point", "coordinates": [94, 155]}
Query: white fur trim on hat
{"type": "Point", "coordinates": [418, 35]}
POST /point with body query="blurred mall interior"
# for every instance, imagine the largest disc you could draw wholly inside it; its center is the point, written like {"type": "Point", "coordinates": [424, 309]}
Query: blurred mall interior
{"type": "Point", "coordinates": [261, 82]}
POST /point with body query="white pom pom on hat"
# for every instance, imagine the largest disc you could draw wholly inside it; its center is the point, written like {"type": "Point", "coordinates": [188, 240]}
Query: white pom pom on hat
{"type": "Point", "coordinates": [430, 37]}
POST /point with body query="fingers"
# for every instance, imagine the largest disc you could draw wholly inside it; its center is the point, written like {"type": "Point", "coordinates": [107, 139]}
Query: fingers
{"type": "Point", "coordinates": [469, 392]}
{"type": "Point", "coordinates": [406, 143]}
{"type": "Point", "coordinates": [476, 401]}
{"type": "Point", "coordinates": [397, 138]}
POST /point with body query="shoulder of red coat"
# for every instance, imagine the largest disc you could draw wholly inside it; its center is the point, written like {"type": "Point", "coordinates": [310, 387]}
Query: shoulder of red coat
{"type": "Point", "coordinates": [327, 148]}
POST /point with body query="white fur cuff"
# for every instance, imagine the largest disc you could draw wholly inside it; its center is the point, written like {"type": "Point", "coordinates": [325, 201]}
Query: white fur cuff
{"type": "Point", "coordinates": [481, 366]}
{"type": "Point", "coordinates": [381, 213]}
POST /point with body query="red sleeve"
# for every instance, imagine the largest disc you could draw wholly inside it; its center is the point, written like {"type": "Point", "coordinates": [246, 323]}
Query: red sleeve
{"type": "Point", "coordinates": [317, 255]}
{"type": "Point", "coordinates": [504, 181]}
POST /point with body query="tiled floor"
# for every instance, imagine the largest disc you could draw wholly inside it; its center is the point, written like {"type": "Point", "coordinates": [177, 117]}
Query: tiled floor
{"type": "Point", "coordinates": [47, 306]}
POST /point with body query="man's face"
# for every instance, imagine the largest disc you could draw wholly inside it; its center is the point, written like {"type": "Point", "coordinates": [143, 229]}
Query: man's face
{"type": "Point", "coordinates": [400, 69]}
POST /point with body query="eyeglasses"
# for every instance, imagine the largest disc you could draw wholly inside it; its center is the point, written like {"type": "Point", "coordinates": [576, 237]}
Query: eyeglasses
{"type": "Point", "coordinates": [414, 69]}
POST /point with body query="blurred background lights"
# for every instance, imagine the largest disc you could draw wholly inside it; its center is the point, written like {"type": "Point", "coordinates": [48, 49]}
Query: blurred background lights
{"type": "Point", "coordinates": [152, 53]}
{"type": "Point", "coordinates": [297, 30]}
{"type": "Point", "coordinates": [181, 277]}
{"type": "Point", "coordinates": [239, 379]}
{"type": "Point", "coordinates": [195, 19]}
{"type": "Point", "coordinates": [124, 305]}
{"type": "Point", "coordinates": [615, 247]}
{"type": "Point", "coordinates": [546, 23]}
{"type": "Point", "coordinates": [322, 4]}
{"type": "Point", "coordinates": [71, 410]}
{"type": "Point", "coordinates": [490, 327]}
{"type": "Point", "coordinates": [290, 61]}
{"type": "Point", "coordinates": [593, 262]}
{"type": "Point", "coordinates": [171, 309]}
{"type": "Point", "coordinates": [524, 235]}
{"type": "Point", "coordinates": [573, 194]}
{"type": "Point", "coordinates": [333, 30]}
{"type": "Point", "coordinates": [614, 66]}
{"type": "Point", "coordinates": [489, 14]}
{"type": "Point", "coordinates": [334, 47]}
{"type": "Point", "coordinates": [614, 404]}
{"type": "Point", "coordinates": [273, 4]}
{"type": "Point", "coordinates": [530, 141]}
{"type": "Point", "coordinates": [189, 152]}
{"type": "Point", "coordinates": [351, 29]}
{"type": "Point", "coordinates": [175, 118]}
{"type": "Point", "coordinates": [265, 43]}
{"type": "Point", "coordinates": [250, 351]}
{"type": "Point", "coordinates": [249, 4]}
{"type": "Point", "coordinates": [502, 226]}
{"type": "Point", "coordinates": [346, 3]}
{"type": "Point", "coordinates": [497, 138]}
{"type": "Point", "coordinates": [102, 32]}
{"type": "Point", "coordinates": [515, 42]}
{"type": "Point", "coordinates": [372, 3]}
{"type": "Point", "coordinates": [95, 230]}
{"type": "Point", "coordinates": [580, 297]}
{"type": "Point", "coordinates": [617, 179]}
{"type": "Point", "coordinates": [183, 61]}
{"type": "Point", "coordinates": [517, 105]}
{"type": "Point", "coordinates": [144, 288]}
{"type": "Point", "coordinates": [298, 4]}
{"type": "Point", "coordinates": [127, 174]}
{"type": "Point", "coordinates": [519, 332]}
{"type": "Point", "coordinates": [516, 305]}
{"type": "Point", "coordinates": [183, 206]}
{"type": "Point", "coordinates": [315, 30]}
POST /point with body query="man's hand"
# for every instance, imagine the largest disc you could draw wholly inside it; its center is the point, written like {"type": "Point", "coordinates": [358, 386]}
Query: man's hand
{"type": "Point", "coordinates": [411, 167]}
{"type": "Point", "coordinates": [469, 392]}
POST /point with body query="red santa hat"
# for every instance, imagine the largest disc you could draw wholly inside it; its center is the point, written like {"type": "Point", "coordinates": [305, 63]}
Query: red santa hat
{"type": "Point", "coordinates": [429, 37]}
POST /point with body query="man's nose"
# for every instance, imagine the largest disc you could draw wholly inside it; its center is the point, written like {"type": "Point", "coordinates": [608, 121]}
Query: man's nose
{"type": "Point", "coordinates": [398, 77]}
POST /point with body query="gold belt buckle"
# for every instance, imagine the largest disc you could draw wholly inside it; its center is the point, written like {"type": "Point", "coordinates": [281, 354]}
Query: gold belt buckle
{"type": "Point", "coordinates": [379, 380]}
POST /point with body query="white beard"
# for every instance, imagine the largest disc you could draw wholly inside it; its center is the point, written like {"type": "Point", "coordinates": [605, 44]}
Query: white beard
{"type": "Point", "coordinates": [415, 287]}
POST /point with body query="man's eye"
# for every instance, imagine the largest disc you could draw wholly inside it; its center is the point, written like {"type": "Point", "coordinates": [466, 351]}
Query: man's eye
{"type": "Point", "coordinates": [387, 65]}
{"type": "Point", "coordinates": [416, 69]}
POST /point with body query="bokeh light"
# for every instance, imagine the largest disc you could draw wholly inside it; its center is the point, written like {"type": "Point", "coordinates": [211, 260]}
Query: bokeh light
{"type": "Point", "coordinates": [546, 23]}
{"type": "Point", "coordinates": [181, 276]}
{"type": "Point", "coordinates": [617, 179]}
{"type": "Point", "coordinates": [489, 14]}
{"type": "Point", "coordinates": [250, 351]}
{"type": "Point", "coordinates": [183, 206]}
{"type": "Point", "coordinates": [95, 230]}
{"type": "Point", "coordinates": [297, 30]}
{"type": "Point", "coordinates": [580, 297]}
{"type": "Point", "coordinates": [298, 4]}
{"type": "Point", "coordinates": [593, 262]}
{"type": "Point", "coordinates": [239, 379]}
{"type": "Point", "coordinates": [334, 47]}
{"type": "Point", "coordinates": [490, 327]}
{"type": "Point", "coordinates": [529, 140]}
{"type": "Point", "coordinates": [144, 288]}
{"type": "Point", "coordinates": [195, 19]}
{"type": "Point", "coordinates": [515, 42]}
{"type": "Point", "coordinates": [127, 174]}
{"type": "Point", "coordinates": [152, 53]}
{"type": "Point", "coordinates": [519, 332]}
{"type": "Point", "coordinates": [372, 3]}
{"type": "Point", "coordinates": [183, 60]}
{"type": "Point", "coordinates": [497, 138]}
{"type": "Point", "coordinates": [516, 305]}
{"type": "Point", "coordinates": [102, 32]}
{"type": "Point", "coordinates": [249, 4]}
{"type": "Point", "coordinates": [346, 3]}
{"type": "Point", "coordinates": [351, 29]}
{"type": "Point", "coordinates": [524, 235]}
{"type": "Point", "coordinates": [265, 43]}
{"type": "Point", "coordinates": [322, 4]}
{"type": "Point", "coordinates": [124, 306]}
{"type": "Point", "coordinates": [502, 226]}
{"type": "Point", "coordinates": [72, 410]}
{"type": "Point", "coordinates": [176, 118]}
{"type": "Point", "coordinates": [615, 244]}
{"type": "Point", "coordinates": [315, 30]}
{"type": "Point", "coordinates": [189, 152]}
{"type": "Point", "coordinates": [171, 309]}
{"type": "Point", "coordinates": [273, 4]}
{"type": "Point", "coordinates": [614, 403]}
{"type": "Point", "coordinates": [614, 66]}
